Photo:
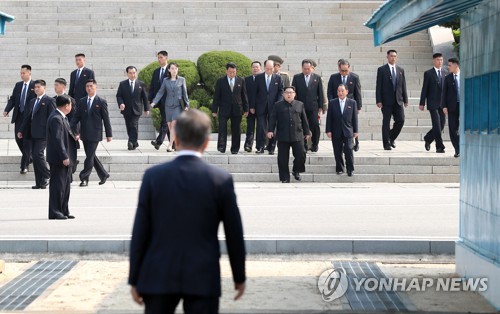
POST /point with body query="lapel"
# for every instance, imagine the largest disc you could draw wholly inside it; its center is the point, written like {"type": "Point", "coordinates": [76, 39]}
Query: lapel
{"type": "Point", "coordinates": [226, 83]}
{"type": "Point", "coordinates": [35, 110]}
{"type": "Point", "coordinates": [347, 110]}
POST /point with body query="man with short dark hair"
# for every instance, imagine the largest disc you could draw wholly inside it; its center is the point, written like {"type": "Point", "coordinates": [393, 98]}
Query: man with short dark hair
{"type": "Point", "coordinates": [349, 79]}
{"type": "Point", "coordinates": [450, 102]}
{"type": "Point", "coordinates": [251, 118]}
{"type": "Point", "coordinates": [34, 127]}
{"type": "Point", "coordinates": [174, 251]}
{"type": "Point", "coordinates": [131, 98]}
{"type": "Point", "coordinates": [58, 157]}
{"type": "Point", "coordinates": [156, 80]}
{"type": "Point", "coordinates": [230, 102]}
{"type": "Point", "coordinates": [92, 113]}
{"type": "Point", "coordinates": [79, 78]}
{"type": "Point", "coordinates": [309, 89]}
{"type": "Point", "coordinates": [289, 119]}
{"type": "Point", "coordinates": [21, 96]}
{"type": "Point", "coordinates": [392, 98]}
{"type": "Point", "coordinates": [431, 95]}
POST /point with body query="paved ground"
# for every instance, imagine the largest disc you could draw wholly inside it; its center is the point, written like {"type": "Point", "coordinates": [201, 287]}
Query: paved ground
{"type": "Point", "coordinates": [268, 209]}
{"type": "Point", "coordinates": [276, 284]}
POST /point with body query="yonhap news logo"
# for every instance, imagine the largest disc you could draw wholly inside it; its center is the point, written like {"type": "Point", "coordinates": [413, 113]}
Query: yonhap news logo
{"type": "Point", "coordinates": [333, 283]}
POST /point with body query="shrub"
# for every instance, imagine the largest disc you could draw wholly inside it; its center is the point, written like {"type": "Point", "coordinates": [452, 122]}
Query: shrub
{"type": "Point", "coordinates": [212, 65]}
{"type": "Point", "coordinates": [202, 96]}
{"type": "Point", "coordinates": [194, 104]}
{"type": "Point", "coordinates": [208, 112]}
{"type": "Point", "coordinates": [187, 69]}
{"type": "Point", "coordinates": [156, 117]}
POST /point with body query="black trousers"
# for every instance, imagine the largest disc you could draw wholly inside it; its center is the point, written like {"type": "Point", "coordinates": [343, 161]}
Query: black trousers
{"type": "Point", "coordinates": [438, 119]}
{"type": "Point", "coordinates": [42, 172]}
{"type": "Point", "coordinates": [132, 124]}
{"type": "Point", "coordinates": [299, 161]}
{"type": "Point", "coordinates": [397, 112]}
{"type": "Point", "coordinates": [343, 145]}
{"type": "Point", "coordinates": [261, 131]}
{"type": "Point", "coordinates": [164, 131]}
{"type": "Point", "coordinates": [251, 119]}
{"type": "Point", "coordinates": [312, 119]}
{"type": "Point", "coordinates": [91, 161]}
{"type": "Point", "coordinates": [73, 151]}
{"type": "Point", "coordinates": [453, 124]}
{"type": "Point", "coordinates": [164, 304]}
{"type": "Point", "coordinates": [235, 133]}
{"type": "Point", "coordinates": [59, 189]}
{"type": "Point", "coordinates": [24, 144]}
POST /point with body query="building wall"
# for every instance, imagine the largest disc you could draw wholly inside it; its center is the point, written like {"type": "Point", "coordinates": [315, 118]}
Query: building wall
{"type": "Point", "coordinates": [480, 146]}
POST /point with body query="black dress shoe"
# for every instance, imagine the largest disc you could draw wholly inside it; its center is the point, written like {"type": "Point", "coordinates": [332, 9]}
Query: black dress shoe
{"type": "Point", "coordinates": [58, 218]}
{"type": "Point", "coordinates": [234, 152]}
{"type": "Point", "coordinates": [248, 149]}
{"type": "Point", "coordinates": [103, 180]}
{"type": "Point", "coordinates": [84, 183]}
{"type": "Point", "coordinates": [271, 152]}
{"type": "Point", "coordinates": [136, 145]}
{"type": "Point", "coordinates": [286, 181]}
{"type": "Point", "coordinates": [44, 186]}
{"type": "Point", "coordinates": [296, 175]}
{"type": "Point", "coordinates": [340, 172]}
{"type": "Point", "coordinates": [70, 217]}
{"type": "Point", "coordinates": [456, 155]}
{"type": "Point", "coordinates": [427, 146]}
{"type": "Point", "coordinates": [260, 151]}
{"type": "Point", "coordinates": [222, 150]}
{"type": "Point", "coordinates": [314, 149]}
{"type": "Point", "coordinates": [393, 144]}
{"type": "Point", "coordinates": [349, 173]}
{"type": "Point", "coordinates": [130, 146]}
{"type": "Point", "coordinates": [156, 145]}
{"type": "Point", "coordinates": [440, 151]}
{"type": "Point", "coordinates": [23, 171]}
{"type": "Point", "coordinates": [387, 148]}
{"type": "Point", "coordinates": [356, 147]}
{"type": "Point", "coordinates": [35, 187]}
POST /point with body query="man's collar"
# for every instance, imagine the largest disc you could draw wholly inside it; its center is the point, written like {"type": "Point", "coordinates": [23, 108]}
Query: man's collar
{"type": "Point", "coordinates": [188, 152]}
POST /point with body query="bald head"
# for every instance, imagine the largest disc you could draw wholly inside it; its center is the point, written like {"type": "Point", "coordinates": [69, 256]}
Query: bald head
{"type": "Point", "coordinates": [269, 67]}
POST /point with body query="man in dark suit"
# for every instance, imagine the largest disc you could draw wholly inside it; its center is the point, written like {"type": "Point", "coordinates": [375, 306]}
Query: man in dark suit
{"type": "Point", "coordinates": [156, 80]}
{"type": "Point", "coordinates": [131, 98]}
{"type": "Point", "coordinates": [58, 157]}
{"type": "Point", "coordinates": [251, 118]}
{"type": "Point", "coordinates": [268, 91]}
{"type": "Point", "coordinates": [289, 119]}
{"type": "Point", "coordinates": [342, 127]}
{"type": "Point", "coordinates": [34, 128]}
{"type": "Point", "coordinates": [351, 80]}
{"type": "Point", "coordinates": [230, 102]}
{"type": "Point", "coordinates": [92, 112]}
{"type": "Point", "coordinates": [59, 88]}
{"type": "Point", "coordinates": [309, 89]}
{"type": "Point", "coordinates": [278, 63]}
{"type": "Point", "coordinates": [79, 78]}
{"type": "Point", "coordinates": [450, 102]}
{"type": "Point", "coordinates": [391, 96]}
{"type": "Point", "coordinates": [431, 94]}
{"type": "Point", "coordinates": [23, 93]}
{"type": "Point", "coordinates": [174, 252]}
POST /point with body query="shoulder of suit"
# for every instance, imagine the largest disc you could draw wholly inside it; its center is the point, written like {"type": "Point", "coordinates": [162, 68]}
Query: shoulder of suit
{"type": "Point", "coordinates": [354, 75]}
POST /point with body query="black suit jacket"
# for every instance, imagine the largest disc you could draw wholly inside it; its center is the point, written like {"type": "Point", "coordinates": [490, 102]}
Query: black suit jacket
{"type": "Point", "coordinates": [289, 121]}
{"type": "Point", "coordinates": [432, 89]}
{"type": "Point", "coordinates": [265, 100]}
{"type": "Point", "coordinates": [35, 122]}
{"type": "Point", "coordinates": [155, 87]}
{"type": "Point", "coordinates": [353, 85]}
{"type": "Point", "coordinates": [250, 87]}
{"type": "Point", "coordinates": [134, 103]}
{"type": "Point", "coordinates": [342, 123]}
{"type": "Point", "coordinates": [15, 98]}
{"type": "Point", "coordinates": [77, 89]}
{"type": "Point", "coordinates": [57, 138]}
{"type": "Point", "coordinates": [311, 96]}
{"type": "Point", "coordinates": [384, 89]}
{"type": "Point", "coordinates": [449, 96]}
{"type": "Point", "coordinates": [174, 247]}
{"type": "Point", "coordinates": [229, 103]}
{"type": "Point", "coordinates": [91, 122]}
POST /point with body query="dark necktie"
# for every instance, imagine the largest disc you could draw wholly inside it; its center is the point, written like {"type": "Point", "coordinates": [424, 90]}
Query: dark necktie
{"type": "Point", "coordinates": [34, 107]}
{"type": "Point", "coordinates": [344, 80]}
{"type": "Point", "coordinates": [268, 81]}
{"type": "Point", "coordinates": [231, 84]}
{"type": "Point", "coordinates": [439, 77]}
{"type": "Point", "coordinates": [89, 103]}
{"type": "Point", "coordinates": [394, 80]}
{"type": "Point", "coordinates": [23, 98]}
{"type": "Point", "coordinates": [78, 75]}
{"type": "Point", "coordinates": [162, 72]}
{"type": "Point", "coordinates": [132, 87]}
{"type": "Point", "coordinates": [457, 87]}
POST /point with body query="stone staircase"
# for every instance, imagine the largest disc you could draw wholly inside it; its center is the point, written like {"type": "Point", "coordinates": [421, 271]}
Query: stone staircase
{"type": "Point", "coordinates": [114, 34]}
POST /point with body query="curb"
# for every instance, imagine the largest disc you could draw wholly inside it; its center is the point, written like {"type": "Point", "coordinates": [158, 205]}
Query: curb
{"type": "Point", "coordinates": [292, 245]}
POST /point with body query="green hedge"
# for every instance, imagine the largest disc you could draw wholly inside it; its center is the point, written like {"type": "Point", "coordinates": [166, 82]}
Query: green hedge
{"type": "Point", "coordinates": [212, 65]}
{"type": "Point", "coordinates": [215, 122]}
{"type": "Point", "coordinates": [156, 117]}
{"type": "Point", "coordinates": [203, 97]}
{"type": "Point", "coordinates": [187, 69]}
